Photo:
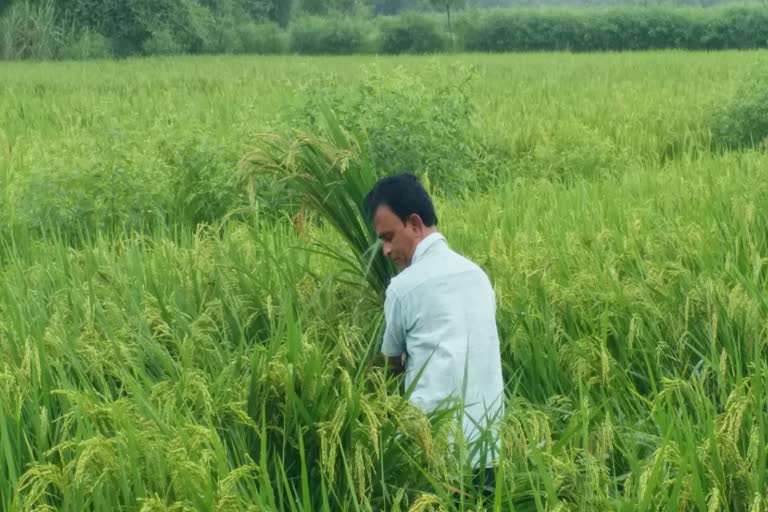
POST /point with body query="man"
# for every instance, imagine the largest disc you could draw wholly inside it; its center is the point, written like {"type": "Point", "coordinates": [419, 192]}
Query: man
{"type": "Point", "coordinates": [440, 313]}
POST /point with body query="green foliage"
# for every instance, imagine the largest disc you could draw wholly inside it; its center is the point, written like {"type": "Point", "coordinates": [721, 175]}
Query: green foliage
{"type": "Point", "coordinates": [125, 24]}
{"type": "Point", "coordinates": [616, 29]}
{"type": "Point", "coordinates": [175, 25]}
{"type": "Point", "coordinates": [190, 182]}
{"type": "Point", "coordinates": [736, 27]}
{"type": "Point", "coordinates": [31, 30]}
{"type": "Point", "coordinates": [73, 201]}
{"type": "Point", "coordinates": [262, 38]}
{"type": "Point", "coordinates": [227, 368]}
{"type": "Point", "coordinates": [448, 6]}
{"type": "Point", "coordinates": [317, 36]}
{"type": "Point", "coordinates": [332, 176]}
{"type": "Point", "coordinates": [412, 125]}
{"type": "Point", "coordinates": [332, 7]}
{"type": "Point", "coordinates": [281, 12]}
{"type": "Point", "coordinates": [43, 29]}
{"type": "Point", "coordinates": [162, 42]}
{"type": "Point", "coordinates": [202, 184]}
{"type": "Point", "coordinates": [412, 34]}
{"type": "Point", "coordinates": [86, 45]}
{"type": "Point", "coordinates": [742, 120]}
{"type": "Point", "coordinates": [193, 29]}
{"type": "Point", "coordinates": [277, 11]}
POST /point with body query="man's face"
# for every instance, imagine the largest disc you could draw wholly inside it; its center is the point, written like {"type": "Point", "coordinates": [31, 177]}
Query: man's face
{"type": "Point", "coordinates": [399, 239]}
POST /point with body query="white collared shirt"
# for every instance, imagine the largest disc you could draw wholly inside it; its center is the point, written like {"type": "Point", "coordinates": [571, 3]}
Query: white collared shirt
{"type": "Point", "coordinates": [441, 312]}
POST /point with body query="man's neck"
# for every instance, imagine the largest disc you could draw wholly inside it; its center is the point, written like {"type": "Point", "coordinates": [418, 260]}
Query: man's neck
{"type": "Point", "coordinates": [427, 232]}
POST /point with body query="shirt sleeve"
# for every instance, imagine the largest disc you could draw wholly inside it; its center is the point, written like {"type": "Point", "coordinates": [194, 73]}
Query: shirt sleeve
{"type": "Point", "coordinates": [394, 333]}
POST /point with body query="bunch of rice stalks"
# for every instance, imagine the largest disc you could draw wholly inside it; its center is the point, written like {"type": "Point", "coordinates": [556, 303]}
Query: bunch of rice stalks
{"type": "Point", "coordinates": [331, 176]}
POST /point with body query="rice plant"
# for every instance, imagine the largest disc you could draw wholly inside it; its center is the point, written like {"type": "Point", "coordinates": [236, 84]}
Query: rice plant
{"type": "Point", "coordinates": [204, 352]}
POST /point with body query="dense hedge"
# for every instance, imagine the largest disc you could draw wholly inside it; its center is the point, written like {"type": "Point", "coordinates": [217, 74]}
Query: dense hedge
{"type": "Point", "coordinates": [412, 34]}
{"type": "Point", "coordinates": [328, 35]}
{"type": "Point", "coordinates": [617, 29]}
{"type": "Point", "coordinates": [196, 26]}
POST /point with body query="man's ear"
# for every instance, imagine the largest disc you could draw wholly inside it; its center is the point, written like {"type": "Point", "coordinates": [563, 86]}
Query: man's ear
{"type": "Point", "coordinates": [415, 221]}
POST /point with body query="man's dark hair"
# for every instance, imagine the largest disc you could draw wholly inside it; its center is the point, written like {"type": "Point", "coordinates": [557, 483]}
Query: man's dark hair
{"type": "Point", "coordinates": [404, 195]}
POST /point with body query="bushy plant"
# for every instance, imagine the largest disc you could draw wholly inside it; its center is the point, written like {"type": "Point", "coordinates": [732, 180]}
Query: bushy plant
{"type": "Point", "coordinates": [736, 28]}
{"type": "Point", "coordinates": [162, 42]}
{"type": "Point", "coordinates": [201, 180]}
{"type": "Point", "coordinates": [173, 25]}
{"type": "Point", "coordinates": [412, 34]}
{"type": "Point", "coordinates": [87, 44]}
{"type": "Point", "coordinates": [264, 38]}
{"type": "Point", "coordinates": [616, 29]}
{"type": "Point", "coordinates": [412, 125]}
{"type": "Point", "coordinates": [337, 35]}
{"type": "Point", "coordinates": [742, 120]}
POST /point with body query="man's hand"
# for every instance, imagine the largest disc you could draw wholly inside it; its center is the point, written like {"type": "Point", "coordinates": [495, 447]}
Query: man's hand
{"type": "Point", "coordinates": [395, 365]}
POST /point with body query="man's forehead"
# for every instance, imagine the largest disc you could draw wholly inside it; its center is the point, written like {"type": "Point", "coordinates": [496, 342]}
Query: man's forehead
{"type": "Point", "coordinates": [384, 215]}
{"type": "Point", "coordinates": [385, 221]}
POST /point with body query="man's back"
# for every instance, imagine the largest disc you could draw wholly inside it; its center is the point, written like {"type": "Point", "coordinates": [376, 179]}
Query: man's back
{"type": "Point", "coordinates": [441, 312]}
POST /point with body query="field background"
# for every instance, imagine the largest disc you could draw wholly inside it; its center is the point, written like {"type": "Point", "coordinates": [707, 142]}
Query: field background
{"type": "Point", "coordinates": [169, 343]}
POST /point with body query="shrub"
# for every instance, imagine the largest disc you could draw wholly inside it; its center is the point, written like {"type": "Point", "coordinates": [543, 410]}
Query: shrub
{"type": "Point", "coordinates": [123, 23]}
{"type": "Point", "coordinates": [338, 35]}
{"type": "Point", "coordinates": [670, 29]}
{"type": "Point", "coordinates": [87, 45]}
{"type": "Point", "coordinates": [616, 29]}
{"type": "Point", "coordinates": [33, 29]}
{"type": "Point", "coordinates": [411, 125]}
{"type": "Point", "coordinates": [173, 24]}
{"type": "Point", "coordinates": [162, 42]}
{"type": "Point", "coordinates": [202, 183]}
{"type": "Point", "coordinates": [742, 121]}
{"type": "Point", "coordinates": [264, 38]}
{"type": "Point", "coordinates": [225, 37]}
{"type": "Point", "coordinates": [737, 28]}
{"type": "Point", "coordinates": [193, 28]}
{"type": "Point", "coordinates": [486, 35]}
{"type": "Point", "coordinates": [412, 34]}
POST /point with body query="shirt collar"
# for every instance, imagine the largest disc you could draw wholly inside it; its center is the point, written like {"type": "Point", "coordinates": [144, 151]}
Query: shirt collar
{"type": "Point", "coordinates": [425, 245]}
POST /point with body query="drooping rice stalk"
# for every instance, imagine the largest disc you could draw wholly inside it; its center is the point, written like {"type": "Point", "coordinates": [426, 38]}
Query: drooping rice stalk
{"type": "Point", "coordinates": [331, 175]}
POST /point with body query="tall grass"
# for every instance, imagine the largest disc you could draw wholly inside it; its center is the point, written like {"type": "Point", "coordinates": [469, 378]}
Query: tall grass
{"type": "Point", "coordinates": [31, 30]}
{"type": "Point", "coordinates": [214, 360]}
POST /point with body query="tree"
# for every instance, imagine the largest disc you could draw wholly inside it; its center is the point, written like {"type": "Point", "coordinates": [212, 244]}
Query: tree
{"type": "Point", "coordinates": [325, 7]}
{"type": "Point", "coordinates": [398, 6]}
{"type": "Point", "coordinates": [317, 7]}
{"type": "Point", "coordinates": [281, 11]}
{"type": "Point", "coordinates": [388, 6]}
{"type": "Point", "coordinates": [447, 5]}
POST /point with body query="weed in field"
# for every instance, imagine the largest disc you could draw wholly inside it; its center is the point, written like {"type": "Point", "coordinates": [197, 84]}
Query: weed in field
{"type": "Point", "coordinates": [742, 120]}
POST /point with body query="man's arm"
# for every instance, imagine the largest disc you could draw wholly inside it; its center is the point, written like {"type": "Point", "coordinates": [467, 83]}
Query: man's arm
{"type": "Point", "coordinates": [393, 347]}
